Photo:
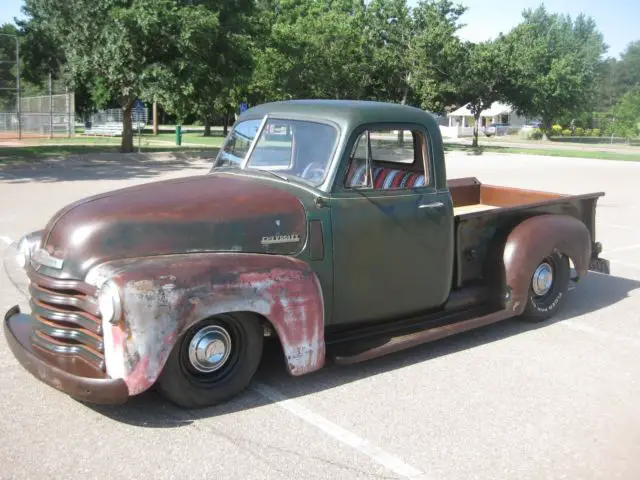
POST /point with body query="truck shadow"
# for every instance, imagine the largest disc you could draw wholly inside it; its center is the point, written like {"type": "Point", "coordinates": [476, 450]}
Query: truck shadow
{"type": "Point", "coordinates": [106, 167]}
{"type": "Point", "coordinates": [152, 411]}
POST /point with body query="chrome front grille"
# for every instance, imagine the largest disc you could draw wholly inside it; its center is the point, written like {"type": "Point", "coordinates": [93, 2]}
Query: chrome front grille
{"type": "Point", "coordinates": [68, 321]}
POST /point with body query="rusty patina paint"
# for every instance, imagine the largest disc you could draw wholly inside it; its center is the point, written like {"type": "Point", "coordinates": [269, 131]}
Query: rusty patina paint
{"type": "Point", "coordinates": [215, 212]}
{"type": "Point", "coordinates": [164, 296]}
{"type": "Point", "coordinates": [533, 240]}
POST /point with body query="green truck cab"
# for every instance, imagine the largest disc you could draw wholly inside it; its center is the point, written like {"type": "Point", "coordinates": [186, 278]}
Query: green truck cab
{"type": "Point", "coordinates": [327, 225]}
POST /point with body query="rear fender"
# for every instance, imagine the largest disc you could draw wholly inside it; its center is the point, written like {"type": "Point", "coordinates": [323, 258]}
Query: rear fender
{"type": "Point", "coordinates": [533, 240]}
{"type": "Point", "coordinates": [162, 297]}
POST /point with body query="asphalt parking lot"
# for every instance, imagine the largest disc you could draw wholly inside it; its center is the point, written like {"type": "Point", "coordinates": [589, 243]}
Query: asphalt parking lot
{"type": "Point", "coordinates": [509, 401]}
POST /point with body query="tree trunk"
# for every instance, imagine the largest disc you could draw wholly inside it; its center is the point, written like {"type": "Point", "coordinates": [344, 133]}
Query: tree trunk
{"type": "Point", "coordinates": [226, 123]}
{"type": "Point", "coordinates": [476, 119]}
{"type": "Point", "coordinates": [546, 127]}
{"type": "Point", "coordinates": [207, 126]}
{"type": "Point", "coordinates": [127, 129]}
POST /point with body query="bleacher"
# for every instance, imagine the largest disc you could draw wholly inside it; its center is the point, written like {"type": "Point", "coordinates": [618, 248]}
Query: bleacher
{"type": "Point", "coordinates": [109, 129]}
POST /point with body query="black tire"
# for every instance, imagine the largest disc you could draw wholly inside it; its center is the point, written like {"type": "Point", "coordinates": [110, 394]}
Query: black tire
{"type": "Point", "coordinates": [182, 383]}
{"type": "Point", "coordinates": [541, 307]}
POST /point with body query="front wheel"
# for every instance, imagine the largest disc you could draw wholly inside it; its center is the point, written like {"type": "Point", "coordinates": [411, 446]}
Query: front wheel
{"type": "Point", "coordinates": [547, 288]}
{"type": "Point", "coordinates": [213, 361]}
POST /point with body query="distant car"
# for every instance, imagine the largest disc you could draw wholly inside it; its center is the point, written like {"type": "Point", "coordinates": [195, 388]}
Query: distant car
{"type": "Point", "coordinates": [532, 125]}
{"type": "Point", "coordinates": [496, 129]}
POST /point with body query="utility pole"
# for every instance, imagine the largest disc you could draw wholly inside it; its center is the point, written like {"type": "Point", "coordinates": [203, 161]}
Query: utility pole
{"type": "Point", "coordinates": [18, 87]}
{"type": "Point", "coordinates": [50, 106]}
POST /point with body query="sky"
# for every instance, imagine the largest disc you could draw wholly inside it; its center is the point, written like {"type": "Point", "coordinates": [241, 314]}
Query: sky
{"type": "Point", "coordinates": [485, 19]}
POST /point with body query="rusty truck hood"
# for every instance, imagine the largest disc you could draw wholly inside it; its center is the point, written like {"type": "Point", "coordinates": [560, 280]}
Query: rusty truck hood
{"type": "Point", "coordinates": [214, 212]}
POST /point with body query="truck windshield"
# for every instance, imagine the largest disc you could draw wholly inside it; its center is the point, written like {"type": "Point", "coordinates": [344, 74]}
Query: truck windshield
{"type": "Point", "coordinates": [298, 149]}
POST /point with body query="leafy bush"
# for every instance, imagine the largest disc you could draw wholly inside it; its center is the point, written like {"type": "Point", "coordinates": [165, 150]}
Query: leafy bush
{"type": "Point", "coordinates": [556, 130]}
{"type": "Point", "coordinates": [579, 132]}
{"type": "Point", "coordinates": [588, 132]}
{"type": "Point", "coordinates": [536, 134]}
{"type": "Point", "coordinates": [566, 132]}
{"type": "Point", "coordinates": [596, 132]}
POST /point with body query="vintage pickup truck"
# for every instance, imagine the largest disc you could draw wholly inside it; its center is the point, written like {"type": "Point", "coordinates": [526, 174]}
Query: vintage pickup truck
{"type": "Point", "coordinates": [329, 226]}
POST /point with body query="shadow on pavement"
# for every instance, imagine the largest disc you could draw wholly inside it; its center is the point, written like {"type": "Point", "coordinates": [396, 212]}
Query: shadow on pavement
{"type": "Point", "coordinates": [149, 410]}
{"type": "Point", "coordinates": [112, 167]}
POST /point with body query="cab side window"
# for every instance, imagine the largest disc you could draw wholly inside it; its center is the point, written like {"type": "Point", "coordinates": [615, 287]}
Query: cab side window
{"type": "Point", "coordinates": [397, 160]}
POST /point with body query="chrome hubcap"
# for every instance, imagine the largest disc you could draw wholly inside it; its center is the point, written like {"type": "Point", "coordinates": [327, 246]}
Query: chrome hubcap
{"type": "Point", "coordinates": [210, 348]}
{"type": "Point", "coordinates": [542, 279]}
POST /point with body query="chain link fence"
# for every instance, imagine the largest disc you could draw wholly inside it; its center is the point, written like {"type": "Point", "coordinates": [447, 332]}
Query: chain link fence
{"type": "Point", "coordinates": [42, 116]}
{"type": "Point", "coordinates": [29, 110]}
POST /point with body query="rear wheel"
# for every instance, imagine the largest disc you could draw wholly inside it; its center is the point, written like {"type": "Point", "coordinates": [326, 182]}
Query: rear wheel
{"type": "Point", "coordinates": [213, 361]}
{"type": "Point", "coordinates": [547, 288]}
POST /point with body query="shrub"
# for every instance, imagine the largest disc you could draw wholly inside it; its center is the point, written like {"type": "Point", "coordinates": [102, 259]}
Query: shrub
{"type": "Point", "coordinates": [579, 132]}
{"type": "Point", "coordinates": [588, 132]}
{"type": "Point", "coordinates": [556, 130]}
{"type": "Point", "coordinates": [566, 132]}
{"type": "Point", "coordinates": [536, 134]}
{"type": "Point", "coordinates": [596, 132]}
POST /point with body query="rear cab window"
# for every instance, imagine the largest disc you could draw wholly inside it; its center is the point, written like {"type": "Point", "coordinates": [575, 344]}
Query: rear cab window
{"type": "Point", "coordinates": [399, 160]}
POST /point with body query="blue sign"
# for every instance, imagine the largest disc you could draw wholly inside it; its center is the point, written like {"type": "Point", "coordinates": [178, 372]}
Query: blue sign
{"type": "Point", "coordinates": [243, 107]}
{"type": "Point", "coordinates": [139, 107]}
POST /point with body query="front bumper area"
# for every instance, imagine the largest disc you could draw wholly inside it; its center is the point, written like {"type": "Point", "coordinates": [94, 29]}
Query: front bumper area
{"type": "Point", "coordinates": [56, 372]}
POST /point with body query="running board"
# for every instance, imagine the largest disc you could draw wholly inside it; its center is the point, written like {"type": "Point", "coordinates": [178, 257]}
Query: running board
{"type": "Point", "coordinates": [402, 342]}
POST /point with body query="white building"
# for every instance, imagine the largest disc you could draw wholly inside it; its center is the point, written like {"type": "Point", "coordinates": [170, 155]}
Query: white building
{"type": "Point", "coordinates": [461, 121]}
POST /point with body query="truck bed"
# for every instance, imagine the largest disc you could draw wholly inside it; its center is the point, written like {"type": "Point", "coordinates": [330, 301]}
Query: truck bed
{"type": "Point", "coordinates": [470, 196]}
{"type": "Point", "coordinates": [485, 214]}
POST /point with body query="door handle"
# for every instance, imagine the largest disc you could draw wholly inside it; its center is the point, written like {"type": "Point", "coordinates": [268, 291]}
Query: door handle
{"type": "Point", "coordinates": [431, 206]}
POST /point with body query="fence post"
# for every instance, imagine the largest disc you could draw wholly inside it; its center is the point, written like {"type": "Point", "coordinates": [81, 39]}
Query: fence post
{"type": "Point", "coordinates": [50, 106]}
{"type": "Point", "coordinates": [18, 86]}
{"type": "Point", "coordinates": [68, 112]}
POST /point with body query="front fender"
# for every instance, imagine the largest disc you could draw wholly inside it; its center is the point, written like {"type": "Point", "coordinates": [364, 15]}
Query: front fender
{"type": "Point", "coordinates": [163, 296]}
{"type": "Point", "coordinates": [533, 240]}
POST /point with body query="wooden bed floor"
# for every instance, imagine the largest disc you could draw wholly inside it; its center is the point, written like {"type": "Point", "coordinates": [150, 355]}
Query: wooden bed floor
{"type": "Point", "coordinates": [478, 207]}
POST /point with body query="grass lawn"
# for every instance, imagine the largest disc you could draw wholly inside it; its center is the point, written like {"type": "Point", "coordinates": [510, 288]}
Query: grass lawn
{"type": "Point", "coordinates": [33, 149]}
{"type": "Point", "coordinates": [550, 152]}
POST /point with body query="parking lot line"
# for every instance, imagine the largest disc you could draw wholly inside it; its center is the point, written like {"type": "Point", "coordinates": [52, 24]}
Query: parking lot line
{"type": "Point", "coordinates": [5, 239]}
{"type": "Point", "coordinates": [386, 459]}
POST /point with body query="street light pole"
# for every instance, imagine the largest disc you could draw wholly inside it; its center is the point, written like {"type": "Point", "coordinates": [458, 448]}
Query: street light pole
{"type": "Point", "coordinates": [18, 86]}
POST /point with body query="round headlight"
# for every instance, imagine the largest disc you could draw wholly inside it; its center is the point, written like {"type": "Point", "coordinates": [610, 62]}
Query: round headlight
{"type": "Point", "coordinates": [109, 303]}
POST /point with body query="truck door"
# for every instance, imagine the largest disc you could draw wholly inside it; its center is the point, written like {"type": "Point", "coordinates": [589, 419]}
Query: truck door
{"type": "Point", "coordinates": [393, 240]}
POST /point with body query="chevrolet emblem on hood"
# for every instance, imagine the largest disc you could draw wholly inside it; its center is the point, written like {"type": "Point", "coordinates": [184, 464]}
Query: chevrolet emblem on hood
{"type": "Point", "coordinates": [271, 240]}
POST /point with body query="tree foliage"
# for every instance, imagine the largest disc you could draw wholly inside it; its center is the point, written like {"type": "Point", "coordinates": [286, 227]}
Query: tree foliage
{"type": "Point", "coordinates": [8, 96]}
{"type": "Point", "coordinates": [203, 57]}
{"type": "Point", "coordinates": [129, 49]}
{"type": "Point", "coordinates": [627, 115]}
{"type": "Point", "coordinates": [482, 80]}
{"type": "Point", "coordinates": [552, 65]}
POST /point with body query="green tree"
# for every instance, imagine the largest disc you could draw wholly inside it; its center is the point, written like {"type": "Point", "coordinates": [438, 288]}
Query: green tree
{"type": "Point", "coordinates": [482, 78]}
{"type": "Point", "coordinates": [216, 58]}
{"type": "Point", "coordinates": [627, 115]}
{"type": "Point", "coordinates": [553, 65]}
{"type": "Point", "coordinates": [437, 54]}
{"type": "Point", "coordinates": [8, 92]}
{"type": "Point", "coordinates": [314, 48]}
{"type": "Point", "coordinates": [131, 48]}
